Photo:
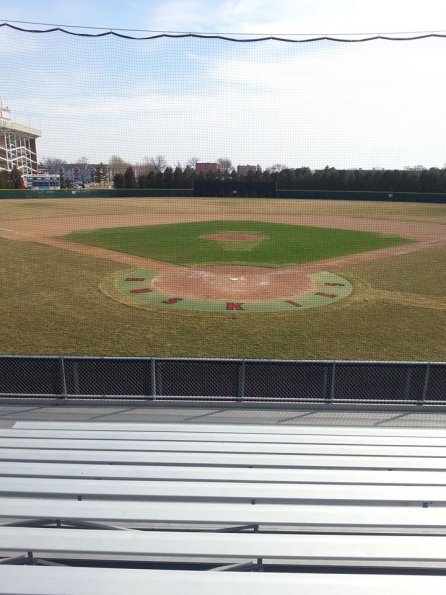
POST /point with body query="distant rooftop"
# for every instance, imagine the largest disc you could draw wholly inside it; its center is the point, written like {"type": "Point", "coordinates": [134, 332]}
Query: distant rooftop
{"type": "Point", "coordinates": [16, 127]}
{"type": "Point", "coordinates": [7, 124]}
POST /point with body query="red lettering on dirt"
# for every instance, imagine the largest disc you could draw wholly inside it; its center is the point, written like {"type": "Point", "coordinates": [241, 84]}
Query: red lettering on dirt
{"type": "Point", "coordinates": [233, 306]}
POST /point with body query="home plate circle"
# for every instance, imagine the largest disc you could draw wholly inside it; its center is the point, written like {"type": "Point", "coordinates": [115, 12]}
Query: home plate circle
{"type": "Point", "coordinates": [222, 289]}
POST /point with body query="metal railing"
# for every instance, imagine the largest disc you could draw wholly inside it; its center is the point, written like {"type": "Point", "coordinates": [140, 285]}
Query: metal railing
{"type": "Point", "coordinates": [224, 380]}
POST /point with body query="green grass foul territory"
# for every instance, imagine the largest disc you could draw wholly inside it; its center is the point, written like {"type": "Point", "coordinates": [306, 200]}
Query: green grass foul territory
{"type": "Point", "coordinates": [185, 244]}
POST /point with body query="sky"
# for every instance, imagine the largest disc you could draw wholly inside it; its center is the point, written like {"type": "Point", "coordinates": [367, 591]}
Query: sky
{"type": "Point", "coordinates": [374, 104]}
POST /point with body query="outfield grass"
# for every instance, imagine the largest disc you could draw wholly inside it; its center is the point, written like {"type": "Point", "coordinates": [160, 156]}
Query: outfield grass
{"type": "Point", "coordinates": [42, 208]}
{"type": "Point", "coordinates": [185, 244]}
{"type": "Point", "coordinates": [50, 304]}
{"type": "Point", "coordinates": [423, 273]}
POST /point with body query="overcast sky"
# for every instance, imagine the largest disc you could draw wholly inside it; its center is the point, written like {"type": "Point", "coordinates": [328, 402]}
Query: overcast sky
{"type": "Point", "coordinates": [375, 104]}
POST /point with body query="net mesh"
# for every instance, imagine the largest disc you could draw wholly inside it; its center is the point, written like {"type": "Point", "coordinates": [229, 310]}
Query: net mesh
{"type": "Point", "coordinates": [375, 104]}
{"type": "Point", "coordinates": [301, 185]}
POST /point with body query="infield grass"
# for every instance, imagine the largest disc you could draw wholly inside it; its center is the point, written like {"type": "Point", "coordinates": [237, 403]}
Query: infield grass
{"type": "Point", "coordinates": [186, 244]}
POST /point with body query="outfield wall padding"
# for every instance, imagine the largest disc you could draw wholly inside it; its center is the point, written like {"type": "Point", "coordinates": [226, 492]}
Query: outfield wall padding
{"type": "Point", "coordinates": [97, 193]}
{"type": "Point", "coordinates": [417, 197]}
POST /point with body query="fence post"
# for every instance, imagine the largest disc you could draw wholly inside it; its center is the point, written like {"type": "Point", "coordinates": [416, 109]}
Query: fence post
{"type": "Point", "coordinates": [333, 383]}
{"type": "Point", "coordinates": [408, 381]}
{"type": "Point", "coordinates": [425, 384]}
{"type": "Point", "coordinates": [241, 381]}
{"type": "Point", "coordinates": [324, 396]}
{"type": "Point", "coordinates": [153, 378]}
{"type": "Point", "coordinates": [63, 378]}
{"type": "Point", "coordinates": [76, 389]}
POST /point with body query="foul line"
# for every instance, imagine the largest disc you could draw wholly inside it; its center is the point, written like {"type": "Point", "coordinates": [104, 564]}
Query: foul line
{"type": "Point", "coordinates": [22, 233]}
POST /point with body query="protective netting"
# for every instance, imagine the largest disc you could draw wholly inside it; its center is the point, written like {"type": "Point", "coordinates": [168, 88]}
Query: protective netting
{"type": "Point", "coordinates": [377, 104]}
{"type": "Point", "coordinates": [301, 188]}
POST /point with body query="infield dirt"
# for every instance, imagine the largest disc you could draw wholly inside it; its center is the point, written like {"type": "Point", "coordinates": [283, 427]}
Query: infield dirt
{"type": "Point", "coordinates": [216, 282]}
{"type": "Point", "coordinates": [48, 230]}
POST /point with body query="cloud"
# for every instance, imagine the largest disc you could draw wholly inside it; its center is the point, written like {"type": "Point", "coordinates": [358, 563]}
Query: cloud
{"type": "Point", "coordinates": [346, 125]}
{"type": "Point", "coordinates": [289, 16]}
{"type": "Point", "coordinates": [245, 16]}
{"type": "Point", "coordinates": [347, 105]}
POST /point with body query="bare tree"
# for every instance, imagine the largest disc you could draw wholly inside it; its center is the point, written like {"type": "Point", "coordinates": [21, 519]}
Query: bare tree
{"type": "Point", "coordinates": [158, 163]}
{"type": "Point", "coordinates": [225, 164]}
{"type": "Point", "coordinates": [193, 162]}
{"type": "Point", "coordinates": [142, 168]}
{"type": "Point", "coordinates": [53, 165]}
{"type": "Point", "coordinates": [117, 165]}
{"type": "Point", "coordinates": [84, 169]}
{"type": "Point", "coordinates": [415, 168]}
{"type": "Point", "coordinates": [277, 167]}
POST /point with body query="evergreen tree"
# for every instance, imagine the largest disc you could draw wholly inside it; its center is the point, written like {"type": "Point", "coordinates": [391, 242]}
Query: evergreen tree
{"type": "Point", "coordinates": [168, 177]}
{"type": "Point", "coordinates": [4, 179]}
{"type": "Point", "coordinates": [101, 173]}
{"type": "Point", "coordinates": [118, 181]}
{"type": "Point", "coordinates": [178, 178]}
{"type": "Point", "coordinates": [15, 179]}
{"type": "Point", "coordinates": [130, 178]}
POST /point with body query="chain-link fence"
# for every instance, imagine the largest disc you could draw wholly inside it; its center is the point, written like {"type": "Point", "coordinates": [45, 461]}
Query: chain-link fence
{"type": "Point", "coordinates": [263, 381]}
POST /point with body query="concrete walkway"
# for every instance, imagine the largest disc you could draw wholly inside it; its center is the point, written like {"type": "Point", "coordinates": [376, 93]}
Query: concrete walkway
{"type": "Point", "coordinates": [160, 412]}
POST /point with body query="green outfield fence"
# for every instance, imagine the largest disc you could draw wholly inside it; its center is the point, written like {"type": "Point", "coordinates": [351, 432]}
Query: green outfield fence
{"type": "Point", "coordinates": [429, 197]}
{"type": "Point", "coordinates": [98, 193]}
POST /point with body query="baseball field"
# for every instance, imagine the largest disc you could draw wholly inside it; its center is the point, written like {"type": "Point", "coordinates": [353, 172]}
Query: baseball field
{"type": "Point", "coordinates": [254, 278]}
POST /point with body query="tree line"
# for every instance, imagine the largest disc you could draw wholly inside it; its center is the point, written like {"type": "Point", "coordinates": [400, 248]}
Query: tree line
{"type": "Point", "coordinates": [265, 183]}
{"type": "Point", "coordinates": [156, 173]}
{"type": "Point", "coordinates": [82, 172]}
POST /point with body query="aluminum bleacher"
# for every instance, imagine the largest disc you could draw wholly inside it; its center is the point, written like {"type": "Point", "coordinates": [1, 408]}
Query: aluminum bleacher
{"type": "Point", "coordinates": [206, 508]}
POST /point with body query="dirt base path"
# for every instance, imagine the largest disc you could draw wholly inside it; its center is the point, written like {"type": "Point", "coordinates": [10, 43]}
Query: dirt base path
{"type": "Point", "coordinates": [218, 281]}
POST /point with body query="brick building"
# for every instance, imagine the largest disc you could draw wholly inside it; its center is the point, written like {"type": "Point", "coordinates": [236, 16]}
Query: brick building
{"type": "Point", "coordinates": [243, 170]}
{"type": "Point", "coordinates": [204, 168]}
